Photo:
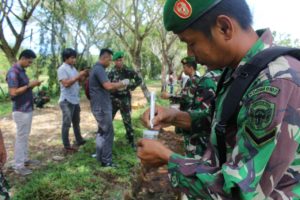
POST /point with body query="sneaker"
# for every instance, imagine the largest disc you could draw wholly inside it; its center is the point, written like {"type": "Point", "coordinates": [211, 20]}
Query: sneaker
{"type": "Point", "coordinates": [32, 163]}
{"type": "Point", "coordinates": [109, 165]}
{"type": "Point", "coordinates": [23, 171]}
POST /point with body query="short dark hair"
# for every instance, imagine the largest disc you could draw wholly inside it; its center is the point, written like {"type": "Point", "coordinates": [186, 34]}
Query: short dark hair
{"type": "Point", "coordinates": [28, 53]}
{"type": "Point", "coordinates": [105, 51]}
{"type": "Point", "coordinates": [237, 9]}
{"type": "Point", "coordinates": [193, 64]}
{"type": "Point", "coordinates": [68, 53]}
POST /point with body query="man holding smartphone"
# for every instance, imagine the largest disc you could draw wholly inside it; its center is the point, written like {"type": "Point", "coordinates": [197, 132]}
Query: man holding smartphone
{"type": "Point", "coordinates": [20, 90]}
{"type": "Point", "coordinates": [69, 100]}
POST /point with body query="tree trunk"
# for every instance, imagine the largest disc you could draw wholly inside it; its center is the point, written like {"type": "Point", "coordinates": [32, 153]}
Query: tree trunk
{"type": "Point", "coordinates": [10, 55]}
{"type": "Point", "coordinates": [137, 63]}
{"type": "Point", "coordinates": [53, 66]}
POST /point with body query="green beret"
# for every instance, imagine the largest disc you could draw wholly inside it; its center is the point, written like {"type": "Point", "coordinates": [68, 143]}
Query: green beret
{"type": "Point", "coordinates": [117, 55]}
{"type": "Point", "coordinates": [188, 60]}
{"type": "Point", "coordinates": [180, 14]}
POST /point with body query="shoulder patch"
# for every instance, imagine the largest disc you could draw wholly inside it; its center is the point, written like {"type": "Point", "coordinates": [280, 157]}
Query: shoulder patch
{"type": "Point", "coordinates": [265, 89]}
{"type": "Point", "coordinates": [260, 114]}
{"type": "Point", "coordinates": [260, 117]}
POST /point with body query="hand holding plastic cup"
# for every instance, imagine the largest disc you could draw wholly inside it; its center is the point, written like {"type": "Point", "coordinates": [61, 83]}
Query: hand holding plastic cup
{"type": "Point", "coordinates": [150, 134]}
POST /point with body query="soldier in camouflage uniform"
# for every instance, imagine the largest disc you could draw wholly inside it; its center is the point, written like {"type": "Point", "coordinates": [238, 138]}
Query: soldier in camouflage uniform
{"type": "Point", "coordinates": [121, 99]}
{"type": "Point", "coordinates": [262, 142]}
{"type": "Point", "coordinates": [195, 97]}
{"type": "Point", "coordinates": [197, 140]}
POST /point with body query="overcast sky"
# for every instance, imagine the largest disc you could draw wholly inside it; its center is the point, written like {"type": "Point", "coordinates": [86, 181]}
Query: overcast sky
{"type": "Point", "coordinates": [280, 16]}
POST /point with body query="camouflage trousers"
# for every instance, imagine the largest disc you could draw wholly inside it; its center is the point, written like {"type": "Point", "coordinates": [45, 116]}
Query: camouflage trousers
{"type": "Point", "coordinates": [4, 187]}
{"type": "Point", "coordinates": [124, 105]}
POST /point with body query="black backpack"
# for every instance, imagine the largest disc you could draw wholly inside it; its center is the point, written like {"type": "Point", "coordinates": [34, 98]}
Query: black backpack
{"type": "Point", "coordinates": [246, 75]}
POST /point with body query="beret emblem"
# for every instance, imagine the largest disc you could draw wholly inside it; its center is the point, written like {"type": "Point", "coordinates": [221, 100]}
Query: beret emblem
{"type": "Point", "coordinates": [183, 9]}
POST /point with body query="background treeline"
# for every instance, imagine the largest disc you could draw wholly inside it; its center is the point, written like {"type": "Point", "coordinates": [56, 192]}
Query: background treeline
{"type": "Point", "coordinates": [134, 26]}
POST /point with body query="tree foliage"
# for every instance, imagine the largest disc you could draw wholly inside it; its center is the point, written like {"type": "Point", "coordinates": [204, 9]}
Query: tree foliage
{"type": "Point", "coordinates": [133, 26]}
{"type": "Point", "coordinates": [15, 15]}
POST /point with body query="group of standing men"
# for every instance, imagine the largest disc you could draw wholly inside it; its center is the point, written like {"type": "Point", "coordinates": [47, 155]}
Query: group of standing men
{"type": "Point", "coordinates": [108, 95]}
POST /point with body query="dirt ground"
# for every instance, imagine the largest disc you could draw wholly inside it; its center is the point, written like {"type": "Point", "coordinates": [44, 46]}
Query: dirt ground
{"type": "Point", "coordinates": [45, 136]}
{"type": "Point", "coordinates": [45, 144]}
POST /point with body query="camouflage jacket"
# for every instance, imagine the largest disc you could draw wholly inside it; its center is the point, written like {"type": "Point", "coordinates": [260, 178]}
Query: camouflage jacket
{"type": "Point", "coordinates": [205, 93]}
{"type": "Point", "coordinates": [262, 157]}
{"type": "Point", "coordinates": [115, 75]}
{"type": "Point", "coordinates": [198, 92]}
{"type": "Point", "coordinates": [187, 94]}
{"type": "Point", "coordinates": [204, 89]}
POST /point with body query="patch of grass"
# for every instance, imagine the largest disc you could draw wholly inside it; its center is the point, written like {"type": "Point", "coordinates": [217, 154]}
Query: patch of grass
{"type": "Point", "coordinates": [81, 177]}
{"type": "Point", "coordinates": [152, 83]}
{"type": "Point", "coordinates": [5, 108]}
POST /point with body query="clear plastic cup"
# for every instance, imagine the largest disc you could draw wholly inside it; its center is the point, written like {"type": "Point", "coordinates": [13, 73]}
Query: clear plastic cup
{"type": "Point", "coordinates": [176, 106]}
{"type": "Point", "coordinates": [150, 134]}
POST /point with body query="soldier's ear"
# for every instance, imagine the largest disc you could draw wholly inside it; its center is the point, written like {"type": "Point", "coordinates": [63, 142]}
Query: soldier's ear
{"type": "Point", "coordinates": [224, 27]}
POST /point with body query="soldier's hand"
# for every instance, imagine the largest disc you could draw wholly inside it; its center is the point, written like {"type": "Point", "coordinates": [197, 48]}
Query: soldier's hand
{"type": "Point", "coordinates": [163, 117]}
{"type": "Point", "coordinates": [152, 153]}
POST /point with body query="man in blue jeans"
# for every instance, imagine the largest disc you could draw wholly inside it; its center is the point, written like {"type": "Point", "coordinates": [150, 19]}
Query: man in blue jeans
{"type": "Point", "coordinates": [69, 79]}
{"type": "Point", "coordinates": [101, 106]}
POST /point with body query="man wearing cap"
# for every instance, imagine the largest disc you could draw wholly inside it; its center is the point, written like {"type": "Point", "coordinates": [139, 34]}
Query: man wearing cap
{"type": "Point", "coordinates": [121, 99]}
{"type": "Point", "coordinates": [263, 138]}
{"type": "Point", "coordinates": [195, 97]}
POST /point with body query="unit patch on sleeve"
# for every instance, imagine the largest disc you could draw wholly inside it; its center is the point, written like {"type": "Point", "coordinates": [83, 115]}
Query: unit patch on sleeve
{"type": "Point", "coordinates": [260, 117]}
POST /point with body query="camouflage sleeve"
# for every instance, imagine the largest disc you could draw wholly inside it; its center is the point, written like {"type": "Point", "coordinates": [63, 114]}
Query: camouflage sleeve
{"type": "Point", "coordinates": [110, 75]}
{"type": "Point", "coordinates": [201, 109]}
{"type": "Point", "coordinates": [265, 145]}
{"type": "Point", "coordinates": [137, 80]}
